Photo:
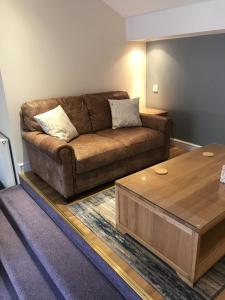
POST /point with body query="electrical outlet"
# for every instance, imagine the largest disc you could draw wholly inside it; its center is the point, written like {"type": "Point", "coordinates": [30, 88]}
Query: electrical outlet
{"type": "Point", "coordinates": [155, 88]}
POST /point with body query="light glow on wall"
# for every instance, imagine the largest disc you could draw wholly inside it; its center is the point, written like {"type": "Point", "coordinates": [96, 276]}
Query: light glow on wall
{"type": "Point", "coordinates": [137, 59]}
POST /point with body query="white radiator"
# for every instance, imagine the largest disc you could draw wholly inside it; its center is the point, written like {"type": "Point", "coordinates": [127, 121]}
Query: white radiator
{"type": "Point", "coordinates": [7, 176]}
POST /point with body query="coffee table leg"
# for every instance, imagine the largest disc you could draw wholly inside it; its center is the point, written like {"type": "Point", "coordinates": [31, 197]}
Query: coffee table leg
{"type": "Point", "coordinates": [188, 282]}
{"type": "Point", "coordinates": [120, 229]}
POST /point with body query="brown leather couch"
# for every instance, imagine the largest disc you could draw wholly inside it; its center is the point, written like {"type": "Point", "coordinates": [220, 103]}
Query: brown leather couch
{"type": "Point", "coordinates": [100, 154]}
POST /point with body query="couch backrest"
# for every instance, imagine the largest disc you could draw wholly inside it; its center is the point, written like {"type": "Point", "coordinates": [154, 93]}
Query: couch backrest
{"type": "Point", "coordinates": [88, 113]}
{"type": "Point", "coordinates": [74, 107]}
{"type": "Point", "coordinates": [99, 109]}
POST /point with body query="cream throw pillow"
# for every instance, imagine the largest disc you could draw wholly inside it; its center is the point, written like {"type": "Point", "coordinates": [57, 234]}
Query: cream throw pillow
{"type": "Point", "coordinates": [125, 113]}
{"type": "Point", "coordinates": [55, 122]}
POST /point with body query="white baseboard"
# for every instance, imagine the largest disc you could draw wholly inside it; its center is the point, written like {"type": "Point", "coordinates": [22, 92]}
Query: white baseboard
{"type": "Point", "coordinates": [185, 145]}
{"type": "Point", "coordinates": [24, 167]}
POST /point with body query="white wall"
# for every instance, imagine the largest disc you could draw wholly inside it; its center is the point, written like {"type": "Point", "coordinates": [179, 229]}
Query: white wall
{"type": "Point", "coordinates": [51, 48]}
{"type": "Point", "coordinates": [194, 19]}
{"type": "Point", "coordinates": [4, 116]}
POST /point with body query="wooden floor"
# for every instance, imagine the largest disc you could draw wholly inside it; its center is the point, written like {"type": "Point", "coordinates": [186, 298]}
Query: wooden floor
{"type": "Point", "coordinates": [175, 151]}
{"type": "Point", "coordinates": [143, 288]}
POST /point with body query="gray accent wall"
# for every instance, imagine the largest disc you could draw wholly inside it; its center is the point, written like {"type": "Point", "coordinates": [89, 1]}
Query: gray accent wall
{"type": "Point", "coordinates": [190, 73]}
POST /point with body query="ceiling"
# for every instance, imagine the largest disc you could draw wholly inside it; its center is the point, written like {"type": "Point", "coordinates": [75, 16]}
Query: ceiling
{"type": "Point", "coordinates": [127, 8]}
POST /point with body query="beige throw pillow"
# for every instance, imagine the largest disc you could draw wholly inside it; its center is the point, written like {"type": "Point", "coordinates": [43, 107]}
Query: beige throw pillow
{"type": "Point", "coordinates": [125, 113]}
{"type": "Point", "coordinates": [55, 122]}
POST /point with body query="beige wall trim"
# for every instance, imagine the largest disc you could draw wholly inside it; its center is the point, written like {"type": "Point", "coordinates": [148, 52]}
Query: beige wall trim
{"type": "Point", "coordinates": [24, 167]}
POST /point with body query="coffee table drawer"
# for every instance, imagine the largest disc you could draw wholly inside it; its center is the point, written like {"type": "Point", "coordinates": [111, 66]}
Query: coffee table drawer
{"type": "Point", "coordinates": [163, 235]}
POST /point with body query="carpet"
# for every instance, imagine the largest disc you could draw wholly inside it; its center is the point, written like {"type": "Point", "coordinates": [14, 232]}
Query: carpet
{"type": "Point", "coordinates": [97, 212]}
{"type": "Point", "coordinates": [80, 243]}
{"type": "Point", "coordinates": [41, 262]}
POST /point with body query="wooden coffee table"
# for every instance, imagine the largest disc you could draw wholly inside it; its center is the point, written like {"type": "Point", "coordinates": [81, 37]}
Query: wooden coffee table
{"type": "Point", "coordinates": [179, 216]}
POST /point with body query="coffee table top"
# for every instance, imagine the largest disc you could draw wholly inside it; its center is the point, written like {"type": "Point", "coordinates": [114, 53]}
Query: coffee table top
{"type": "Point", "coordinates": [191, 191]}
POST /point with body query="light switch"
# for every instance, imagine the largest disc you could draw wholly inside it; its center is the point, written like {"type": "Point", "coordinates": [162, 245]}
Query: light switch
{"type": "Point", "coordinates": [155, 88]}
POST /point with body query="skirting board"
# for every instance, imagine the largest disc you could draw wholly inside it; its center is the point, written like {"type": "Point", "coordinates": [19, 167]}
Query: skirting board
{"type": "Point", "coordinates": [24, 167]}
{"type": "Point", "coordinates": [185, 145]}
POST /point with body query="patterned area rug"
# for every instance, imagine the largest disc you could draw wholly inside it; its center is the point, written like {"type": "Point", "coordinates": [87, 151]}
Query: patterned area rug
{"type": "Point", "coordinates": [97, 212]}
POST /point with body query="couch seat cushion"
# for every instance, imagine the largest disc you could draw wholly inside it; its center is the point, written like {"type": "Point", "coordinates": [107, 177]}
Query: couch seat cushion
{"type": "Point", "coordinates": [93, 151]}
{"type": "Point", "coordinates": [136, 139]}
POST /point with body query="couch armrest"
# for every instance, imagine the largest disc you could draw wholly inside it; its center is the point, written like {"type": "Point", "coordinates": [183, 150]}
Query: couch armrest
{"type": "Point", "coordinates": [156, 122]}
{"type": "Point", "coordinates": [162, 124]}
{"type": "Point", "coordinates": [48, 144]}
